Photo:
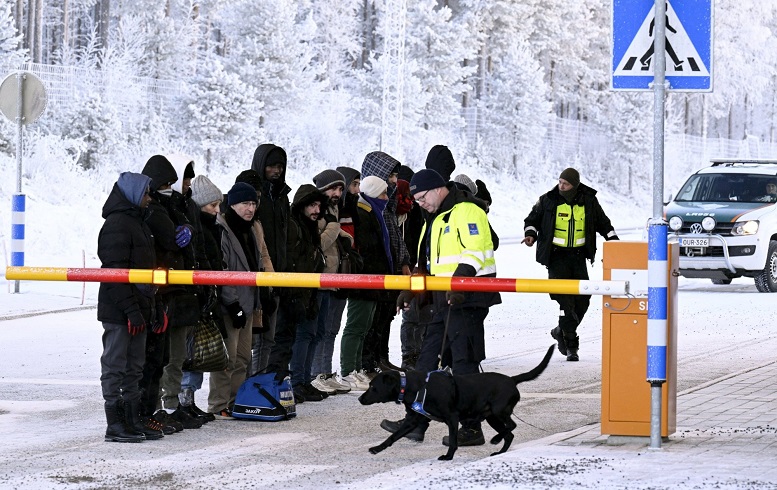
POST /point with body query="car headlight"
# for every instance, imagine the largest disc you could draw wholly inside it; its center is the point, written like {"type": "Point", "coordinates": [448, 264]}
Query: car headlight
{"type": "Point", "coordinates": [745, 228]}
{"type": "Point", "coordinates": [708, 223]}
{"type": "Point", "coordinates": [675, 223]}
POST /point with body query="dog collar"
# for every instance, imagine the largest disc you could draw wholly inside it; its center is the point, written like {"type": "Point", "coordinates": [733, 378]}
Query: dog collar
{"type": "Point", "coordinates": [402, 386]}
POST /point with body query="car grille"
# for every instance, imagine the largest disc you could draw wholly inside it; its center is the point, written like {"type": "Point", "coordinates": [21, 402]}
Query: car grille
{"type": "Point", "coordinates": [723, 229]}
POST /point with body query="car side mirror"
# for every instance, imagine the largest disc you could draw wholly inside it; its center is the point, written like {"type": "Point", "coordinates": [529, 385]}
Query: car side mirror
{"type": "Point", "coordinates": [668, 199]}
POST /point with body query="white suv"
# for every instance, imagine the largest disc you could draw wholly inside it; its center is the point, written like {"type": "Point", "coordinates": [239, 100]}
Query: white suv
{"type": "Point", "coordinates": [725, 220]}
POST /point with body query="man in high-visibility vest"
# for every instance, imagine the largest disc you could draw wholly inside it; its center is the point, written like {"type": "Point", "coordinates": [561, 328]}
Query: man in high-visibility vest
{"type": "Point", "coordinates": [455, 242]}
{"type": "Point", "coordinates": [564, 223]}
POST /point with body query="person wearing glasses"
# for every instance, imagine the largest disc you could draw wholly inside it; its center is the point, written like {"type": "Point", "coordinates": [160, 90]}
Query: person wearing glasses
{"type": "Point", "coordinates": [455, 242]}
{"type": "Point", "coordinates": [241, 250]}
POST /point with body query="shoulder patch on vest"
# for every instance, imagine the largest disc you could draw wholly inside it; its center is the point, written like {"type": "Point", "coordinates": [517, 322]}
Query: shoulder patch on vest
{"type": "Point", "coordinates": [473, 229]}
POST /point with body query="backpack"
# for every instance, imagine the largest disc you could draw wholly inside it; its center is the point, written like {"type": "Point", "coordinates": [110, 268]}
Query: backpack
{"type": "Point", "coordinates": [262, 397]}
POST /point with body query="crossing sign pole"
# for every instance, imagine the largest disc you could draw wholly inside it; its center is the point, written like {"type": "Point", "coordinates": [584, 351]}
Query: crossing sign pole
{"type": "Point", "coordinates": [640, 47]}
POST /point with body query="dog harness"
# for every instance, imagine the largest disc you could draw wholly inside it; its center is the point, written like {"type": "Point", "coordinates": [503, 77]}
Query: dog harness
{"type": "Point", "coordinates": [420, 399]}
{"type": "Point", "coordinates": [402, 386]}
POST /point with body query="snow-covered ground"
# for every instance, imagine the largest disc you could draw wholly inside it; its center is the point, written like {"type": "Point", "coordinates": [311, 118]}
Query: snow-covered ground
{"type": "Point", "coordinates": [51, 421]}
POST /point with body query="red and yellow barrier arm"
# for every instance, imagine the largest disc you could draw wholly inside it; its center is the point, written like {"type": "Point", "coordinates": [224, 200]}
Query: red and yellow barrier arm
{"type": "Point", "coordinates": [299, 280]}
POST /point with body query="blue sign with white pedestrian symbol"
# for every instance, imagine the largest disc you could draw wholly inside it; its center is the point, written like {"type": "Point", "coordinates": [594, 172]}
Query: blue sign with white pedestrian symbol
{"type": "Point", "coordinates": [688, 45]}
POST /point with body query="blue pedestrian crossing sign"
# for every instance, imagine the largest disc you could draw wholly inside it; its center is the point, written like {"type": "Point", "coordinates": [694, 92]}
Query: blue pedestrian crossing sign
{"type": "Point", "coordinates": [688, 45]}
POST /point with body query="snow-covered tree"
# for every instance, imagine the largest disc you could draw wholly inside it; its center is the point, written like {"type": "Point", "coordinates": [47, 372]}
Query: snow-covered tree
{"type": "Point", "coordinates": [221, 114]}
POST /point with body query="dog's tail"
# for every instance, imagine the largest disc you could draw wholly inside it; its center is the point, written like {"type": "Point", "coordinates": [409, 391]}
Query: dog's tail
{"type": "Point", "coordinates": [534, 373]}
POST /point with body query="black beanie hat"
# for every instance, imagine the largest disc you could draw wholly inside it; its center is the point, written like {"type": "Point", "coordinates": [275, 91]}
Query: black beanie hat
{"type": "Point", "coordinates": [570, 175]}
{"type": "Point", "coordinates": [424, 180]}
{"type": "Point", "coordinates": [241, 192]}
{"type": "Point", "coordinates": [440, 159]}
{"type": "Point", "coordinates": [250, 177]}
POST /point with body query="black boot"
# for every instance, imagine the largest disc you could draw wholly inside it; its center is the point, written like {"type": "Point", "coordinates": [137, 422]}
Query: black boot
{"type": "Point", "coordinates": [117, 431]}
{"type": "Point", "coordinates": [468, 436]}
{"type": "Point", "coordinates": [150, 428]}
{"type": "Point", "coordinates": [416, 434]}
{"type": "Point", "coordinates": [385, 365]}
{"type": "Point", "coordinates": [559, 337]}
{"type": "Point", "coordinates": [573, 342]}
{"type": "Point", "coordinates": [186, 403]}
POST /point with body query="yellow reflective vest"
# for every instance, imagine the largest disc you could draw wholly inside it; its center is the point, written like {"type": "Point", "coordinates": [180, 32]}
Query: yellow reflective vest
{"type": "Point", "coordinates": [460, 235]}
{"type": "Point", "coordinates": [569, 230]}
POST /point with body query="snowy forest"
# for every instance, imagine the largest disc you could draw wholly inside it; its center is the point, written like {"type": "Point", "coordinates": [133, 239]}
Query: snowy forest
{"type": "Point", "coordinates": [505, 83]}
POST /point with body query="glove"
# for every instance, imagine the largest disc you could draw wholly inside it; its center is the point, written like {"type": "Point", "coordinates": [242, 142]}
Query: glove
{"type": "Point", "coordinates": [404, 299]}
{"type": "Point", "coordinates": [267, 299]}
{"type": "Point", "coordinates": [297, 310]}
{"type": "Point", "coordinates": [237, 315]}
{"type": "Point", "coordinates": [209, 298]}
{"type": "Point", "coordinates": [454, 297]}
{"type": "Point", "coordinates": [614, 237]}
{"type": "Point", "coordinates": [160, 325]}
{"type": "Point", "coordinates": [330, 218]}
{"type": "Point", "coordinates": [135, 322]}
{"type": "Point", "coordinates": [183, 235]}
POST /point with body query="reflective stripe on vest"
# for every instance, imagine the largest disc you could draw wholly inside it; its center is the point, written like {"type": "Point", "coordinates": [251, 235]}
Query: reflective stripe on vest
{"type": "Point", "coordinates": [570, 226]}
{"type": "Point", "coordinates": [461, 237]}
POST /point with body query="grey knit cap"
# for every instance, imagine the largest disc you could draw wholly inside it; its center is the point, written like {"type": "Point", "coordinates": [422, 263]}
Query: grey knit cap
{"type": "Point", "coordinates": [328, 178]}
{"type": "Point", "coordinates": [204, 191]}
{"type": "Point", "coordinates": [463, 179]}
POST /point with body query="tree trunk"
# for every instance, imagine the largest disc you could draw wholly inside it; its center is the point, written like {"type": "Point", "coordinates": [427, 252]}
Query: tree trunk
{"type": "Point", "coordinates": [65, 23]}
{"type": "Point", "coordinates": [29, 36]}
{"type": "Point", "coordinates": [38, 57]}
{"type": "Point", "coordinates": [19, 17]}
{"type": "Point", "coordinates": [104, 20]}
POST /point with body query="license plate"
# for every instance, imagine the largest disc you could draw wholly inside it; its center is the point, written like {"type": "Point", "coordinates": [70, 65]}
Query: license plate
{"type": "Point", "coordinates": [694, 242]}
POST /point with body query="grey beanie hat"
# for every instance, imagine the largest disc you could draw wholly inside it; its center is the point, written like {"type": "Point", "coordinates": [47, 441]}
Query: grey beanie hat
{"type": "Point", "coordinates": [204, 191]}
{"type": "Point", "coordinates": [466, 181]}
{"type": "Point", "coordinates": [328, 178]}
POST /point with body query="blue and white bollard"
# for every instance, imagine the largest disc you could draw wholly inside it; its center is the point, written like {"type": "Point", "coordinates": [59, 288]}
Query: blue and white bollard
{"type": "Point", "coordinates": [18, 202]}
{"type": "Point", "coordinates": [658, 281]}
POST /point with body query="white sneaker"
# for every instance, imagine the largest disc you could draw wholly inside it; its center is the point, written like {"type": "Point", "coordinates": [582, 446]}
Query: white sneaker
{"type": "Point", "coordinates": [319, 383]}
{"type": "Point", "coordinates": [333, 382]}
{"type": "Point", "coordinates": [362, 375]}
{"type": "Point", "coordinates": [355, 382]}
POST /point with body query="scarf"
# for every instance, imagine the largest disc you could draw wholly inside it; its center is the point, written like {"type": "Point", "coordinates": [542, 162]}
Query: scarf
{"type": "Point", "coordinates": [378, 205]}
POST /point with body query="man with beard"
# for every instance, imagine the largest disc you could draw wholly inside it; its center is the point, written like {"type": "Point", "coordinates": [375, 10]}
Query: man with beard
{"type": "Point", "coordinates": [295, 335]}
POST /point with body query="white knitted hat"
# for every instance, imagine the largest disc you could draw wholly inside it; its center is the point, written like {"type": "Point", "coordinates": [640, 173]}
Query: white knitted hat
{"type": "Point", "coordinates": [373, 186]}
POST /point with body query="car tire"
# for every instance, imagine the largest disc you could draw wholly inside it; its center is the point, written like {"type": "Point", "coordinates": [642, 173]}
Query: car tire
{"type": "Point", "coordinates": [766, 280]}
{"type": "Point", "coordinates": [722, 281]}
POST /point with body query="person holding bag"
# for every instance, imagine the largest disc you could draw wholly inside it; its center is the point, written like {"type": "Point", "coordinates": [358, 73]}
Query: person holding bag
{"type": "Point", "coordinates": [241, 251]}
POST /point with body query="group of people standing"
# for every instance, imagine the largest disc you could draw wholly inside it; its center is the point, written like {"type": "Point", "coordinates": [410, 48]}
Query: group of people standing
{"type": "Point", "coordinates": [393, 220]}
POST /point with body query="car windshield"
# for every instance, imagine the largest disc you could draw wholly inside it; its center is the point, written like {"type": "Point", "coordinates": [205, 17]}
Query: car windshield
{"type": "Point", "coordinates": [729, 187]}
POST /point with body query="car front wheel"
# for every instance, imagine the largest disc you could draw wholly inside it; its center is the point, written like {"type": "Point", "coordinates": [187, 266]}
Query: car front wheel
{"type": "Point", "coordinates": [766, 281]}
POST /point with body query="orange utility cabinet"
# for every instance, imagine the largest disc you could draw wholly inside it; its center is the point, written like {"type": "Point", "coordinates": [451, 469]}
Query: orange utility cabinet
{"type": "Point", "coordinates": [626, 397]}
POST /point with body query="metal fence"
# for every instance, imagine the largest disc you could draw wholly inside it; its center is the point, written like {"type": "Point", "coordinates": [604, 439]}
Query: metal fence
{"type": "Point", "coordinates": [68, 84]}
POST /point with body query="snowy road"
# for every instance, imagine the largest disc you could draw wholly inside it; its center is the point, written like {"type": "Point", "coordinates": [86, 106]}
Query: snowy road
{"type": "Point", "coordinates": [51, 421]}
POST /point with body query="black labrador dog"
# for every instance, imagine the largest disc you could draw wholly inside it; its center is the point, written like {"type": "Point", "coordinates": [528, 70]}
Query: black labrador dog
{"type": "Point", "coordinates": [452, 399]}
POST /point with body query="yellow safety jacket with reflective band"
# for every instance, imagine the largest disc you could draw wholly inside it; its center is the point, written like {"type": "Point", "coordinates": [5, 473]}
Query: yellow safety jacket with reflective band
{"type": "Point", "coordinates": [570, 226]}
{"type": "Point", "coordinates": [460, 235]}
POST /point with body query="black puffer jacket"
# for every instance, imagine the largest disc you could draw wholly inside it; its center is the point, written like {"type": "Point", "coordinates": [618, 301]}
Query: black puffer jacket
{"type": "Point", "coordinates": [304, 244]}
{"type": "Point", "coordinates": [369, 243]}
{"type": "Point", "coordinates": [542, 220]}
{"type": "Point", "coordinates": [274, 208]}
{"type": "Point", "coordinates": [125, 242]}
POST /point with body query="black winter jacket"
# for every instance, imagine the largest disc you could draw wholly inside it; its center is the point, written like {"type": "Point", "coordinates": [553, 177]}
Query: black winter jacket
{"type": "Point", "coordinates": [274, 208]}
{"type": "Point", "coordinates": [542, 220]}
{"type": "Point", "coordinates": [125, 242]}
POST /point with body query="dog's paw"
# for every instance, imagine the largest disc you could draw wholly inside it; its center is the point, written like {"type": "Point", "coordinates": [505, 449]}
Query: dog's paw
{"type": "Point", "coordinates": [445, 457]}
{"type": "Point", "coordinates": [375, 450]}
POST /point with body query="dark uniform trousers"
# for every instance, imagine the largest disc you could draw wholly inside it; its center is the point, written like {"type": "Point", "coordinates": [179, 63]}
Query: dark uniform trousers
{"type": "Point", "coordinates": [569, 263]}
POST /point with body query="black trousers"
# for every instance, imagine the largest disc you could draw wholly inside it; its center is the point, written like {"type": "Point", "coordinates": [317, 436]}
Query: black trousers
{"type": "Point", "coordinates": [569, 264]}
{"type": "Point", "coordinates": [376, 343]}
{"type": "Point", "coordinates": [157, 357]}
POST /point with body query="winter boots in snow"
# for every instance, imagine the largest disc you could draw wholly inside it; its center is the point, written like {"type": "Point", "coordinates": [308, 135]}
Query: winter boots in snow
{"type": "Point", "coordinates": [559, 337]}
{"type": "Point", "coordinates": [118, 430]}
{"type": "Point", "coordinates": [573, 342]}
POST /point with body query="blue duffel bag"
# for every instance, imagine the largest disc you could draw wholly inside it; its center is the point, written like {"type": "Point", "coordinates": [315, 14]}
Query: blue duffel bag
{"type": "Point", "coordinates": [262, 397]}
